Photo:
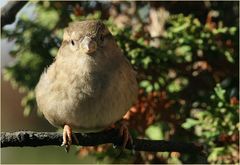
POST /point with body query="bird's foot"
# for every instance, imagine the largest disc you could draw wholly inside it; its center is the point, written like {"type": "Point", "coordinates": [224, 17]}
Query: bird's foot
{"type": "Point", "coordinates": [124, 132]}
{"type": "Point", "coordinates": [67, 137]}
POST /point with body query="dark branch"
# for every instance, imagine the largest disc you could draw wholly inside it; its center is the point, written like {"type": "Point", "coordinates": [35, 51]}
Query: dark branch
{"type": "Point", "coordinates": [9, 11]}
{"type": "Point", "coordinates": [34, 139]}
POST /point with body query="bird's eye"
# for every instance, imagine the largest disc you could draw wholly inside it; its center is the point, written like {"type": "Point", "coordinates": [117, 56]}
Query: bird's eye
{"type": "Point", "coordinates": [72, 42]}
{"type": "Point", "coordinates": [101, 38]}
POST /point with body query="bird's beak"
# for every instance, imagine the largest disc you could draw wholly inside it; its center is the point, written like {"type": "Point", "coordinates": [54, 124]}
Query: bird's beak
{"type": "Point", "coordinates": [88, 45]}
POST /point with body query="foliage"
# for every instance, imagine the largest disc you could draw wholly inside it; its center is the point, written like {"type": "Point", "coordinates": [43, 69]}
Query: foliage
{"type": "Point", "coordinates": [216, 123]}
{"type": "Point", "coordinates": [180, 71]}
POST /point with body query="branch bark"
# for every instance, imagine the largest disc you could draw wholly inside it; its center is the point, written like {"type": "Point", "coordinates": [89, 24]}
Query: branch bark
{"type": "Point", "coordinates": [9, 11]}
{"type": "Point", "coordinates": [34, 139]}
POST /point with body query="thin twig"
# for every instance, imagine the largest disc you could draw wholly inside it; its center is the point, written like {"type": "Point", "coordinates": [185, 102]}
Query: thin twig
{"type": "Point", "coordinates": [34, 139]}
{"type": "Point", "coordinates": [10, 10]}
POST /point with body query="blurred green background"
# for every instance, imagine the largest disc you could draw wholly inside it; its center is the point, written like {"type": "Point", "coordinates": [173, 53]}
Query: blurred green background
{"type": "Point", "coordinates": [187, 58]}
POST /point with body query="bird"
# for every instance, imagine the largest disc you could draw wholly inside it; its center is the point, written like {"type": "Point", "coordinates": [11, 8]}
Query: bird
{"type": "Point", "coordinates": [90, 85]}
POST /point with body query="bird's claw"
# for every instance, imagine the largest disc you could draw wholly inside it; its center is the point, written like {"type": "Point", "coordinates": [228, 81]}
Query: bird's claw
{"type": "Point", "coordinates": [124, 132]}
{"type": "Point", "coordinates": [67, 137]}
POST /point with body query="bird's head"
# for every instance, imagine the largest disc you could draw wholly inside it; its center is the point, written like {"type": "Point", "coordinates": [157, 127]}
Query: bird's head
{"type": "Point", "coordinates": [86, 36]}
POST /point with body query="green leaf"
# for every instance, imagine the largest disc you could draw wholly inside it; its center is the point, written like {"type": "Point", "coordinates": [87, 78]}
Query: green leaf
{"type": "Point", "coordinates": [232, 30]}
{"type": "Point", "coordinates": [215, 153]}
{"type": "Point", "coordinates": [220, 92]}
{"type": "Point", "coordinates": [156, 131]}
{"type": "Point", "coordinates": [229, 57]}
{"type": "Point", "coordinates": [190, 123]}
{"type": "Point", "coordinates": [181, 51]}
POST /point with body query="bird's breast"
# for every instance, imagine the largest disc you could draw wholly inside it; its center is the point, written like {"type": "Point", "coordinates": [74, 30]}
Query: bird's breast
{"type": "Point", "coordinates": [86, 93]}
{"type": "Point", "coordinates": [84, 74]}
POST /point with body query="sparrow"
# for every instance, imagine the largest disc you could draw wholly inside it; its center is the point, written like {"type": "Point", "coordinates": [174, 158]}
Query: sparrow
{"type": "Point", "coordinates": [90, 85]}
